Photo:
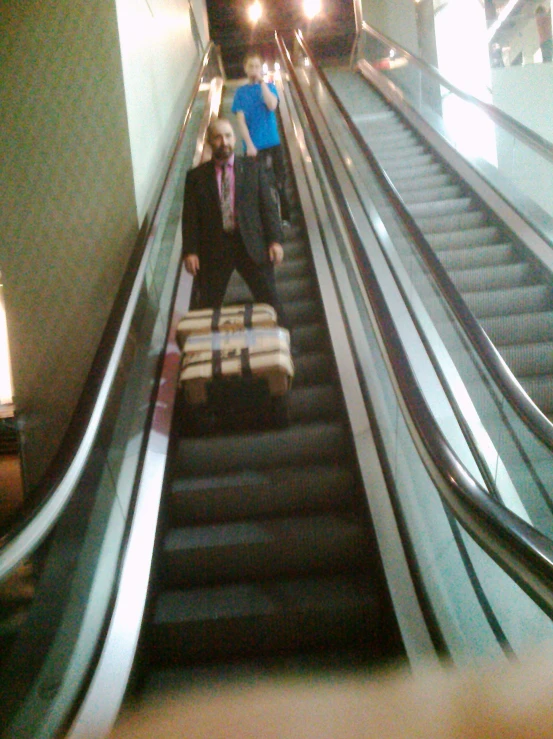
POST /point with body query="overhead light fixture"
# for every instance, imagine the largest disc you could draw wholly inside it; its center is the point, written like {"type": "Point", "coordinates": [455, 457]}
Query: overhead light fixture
{"type": "Point", "coordinates": [255, 11]}
{"type": "Point", "coordinates": [311, 8]}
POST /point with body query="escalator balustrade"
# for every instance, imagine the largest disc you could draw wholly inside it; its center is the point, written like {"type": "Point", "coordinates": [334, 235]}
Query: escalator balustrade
{"type": "Point", "coordinates": [502, 284]}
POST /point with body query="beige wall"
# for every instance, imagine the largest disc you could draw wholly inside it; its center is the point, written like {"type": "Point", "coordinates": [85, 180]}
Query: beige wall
{"type": "Point", "coordinates": [68, 220]}
{"type": "Point", "coordinates": [396, 19]}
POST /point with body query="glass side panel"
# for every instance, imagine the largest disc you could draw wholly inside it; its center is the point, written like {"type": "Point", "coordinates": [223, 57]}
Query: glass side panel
{"type": "Point", "coordinates": [520, 464]}
{"type": "Point", "coordinates": [490, 146]}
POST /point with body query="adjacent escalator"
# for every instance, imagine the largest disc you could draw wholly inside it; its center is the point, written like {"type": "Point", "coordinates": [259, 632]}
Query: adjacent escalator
{"type": "Point", "coordinates": [503, 284]}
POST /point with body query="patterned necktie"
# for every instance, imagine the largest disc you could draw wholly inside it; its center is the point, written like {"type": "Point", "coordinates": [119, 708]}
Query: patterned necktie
{"type": "Point", "coordinates": [226, 201]}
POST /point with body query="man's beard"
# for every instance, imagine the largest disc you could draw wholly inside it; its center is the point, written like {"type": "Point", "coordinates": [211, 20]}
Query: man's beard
{"type": "Point", "coordinates": [222, 153]}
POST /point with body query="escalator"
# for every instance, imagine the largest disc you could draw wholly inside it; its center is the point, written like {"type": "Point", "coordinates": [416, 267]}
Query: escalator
{"type": "Point", "coordinates": [266, 545]}
{"type": "Point", "coordinates": [501, 281]}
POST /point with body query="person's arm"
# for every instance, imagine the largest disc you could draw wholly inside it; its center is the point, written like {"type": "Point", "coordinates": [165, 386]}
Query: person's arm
{"type": "Point", "coordinates": [251, 149]}
{"type": "Point", "coordinates": [269, 97]}
{"type": "Point", "coordinates": [190, 227]}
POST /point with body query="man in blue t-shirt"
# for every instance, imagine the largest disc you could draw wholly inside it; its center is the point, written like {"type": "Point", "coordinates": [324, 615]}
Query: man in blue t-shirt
{"type": "Point", "coordinates": [255, 104]}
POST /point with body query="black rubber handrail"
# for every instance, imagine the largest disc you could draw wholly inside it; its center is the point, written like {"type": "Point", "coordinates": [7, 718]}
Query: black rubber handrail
{"type": "Point", "coordinates": [517, 397]}
{"type": "Point", "coordinates": [522, 132]}
{"type": "Point", "coordinates": [525, 553]}
{"type": "Point", "coordinates": [64, 474]}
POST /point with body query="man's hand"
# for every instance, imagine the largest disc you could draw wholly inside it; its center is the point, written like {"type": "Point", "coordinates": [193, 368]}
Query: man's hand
{"type": "Point", "coordinates": [276, 253]}
{"type": "Point", "coordinates": [251, 149]}
{"type": "Point", "coordinates": [192, 264]}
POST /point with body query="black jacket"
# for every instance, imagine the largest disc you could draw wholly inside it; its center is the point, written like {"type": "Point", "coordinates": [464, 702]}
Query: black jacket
{"type": "Point", "coordinates": [255, 208]}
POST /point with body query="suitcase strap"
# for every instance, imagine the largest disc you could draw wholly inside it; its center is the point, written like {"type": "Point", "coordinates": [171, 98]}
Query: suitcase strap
{"type": "Point", "coordinates": [248, 317]}
{"type": "Point", "coordinates": [245, 366]}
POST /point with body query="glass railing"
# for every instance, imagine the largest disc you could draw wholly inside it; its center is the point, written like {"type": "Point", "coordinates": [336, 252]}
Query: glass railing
{"type": "Point", "coordinates": [516, 159]}
{"type": "Point", "coordinates": [55, 602]}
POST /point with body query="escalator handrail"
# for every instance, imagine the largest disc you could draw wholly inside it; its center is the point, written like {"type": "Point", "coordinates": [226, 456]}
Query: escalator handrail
{"type": "Point", "coordinates": [519, 130]}
{"type": "Point", "coordinates": [519, 400]}
{"type": "Point", "coordinates": [14, 548]}
{"type": "Point", "coordinates": [518, 547]}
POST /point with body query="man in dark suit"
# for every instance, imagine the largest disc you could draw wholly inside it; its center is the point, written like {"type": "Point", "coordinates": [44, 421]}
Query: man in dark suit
{"type": "Point", "coordinates": [230, 221]}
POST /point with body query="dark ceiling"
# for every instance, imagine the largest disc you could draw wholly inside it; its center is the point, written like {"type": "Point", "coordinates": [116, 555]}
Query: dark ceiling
{"type": "Point", "coordinates": [330, 35]}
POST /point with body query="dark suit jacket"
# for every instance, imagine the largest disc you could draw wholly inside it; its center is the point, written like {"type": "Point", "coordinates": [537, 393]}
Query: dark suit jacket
{"type": "Point", "coordinates": [255, 209]}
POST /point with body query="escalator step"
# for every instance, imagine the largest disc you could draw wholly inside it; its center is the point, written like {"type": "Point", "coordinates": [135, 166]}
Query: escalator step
{"type": "Point", "coordinates": [511, 329]}
{"type": "Point", "coordinates": [502, 302]}
{"type": "Point", "coordinates": [465, 238]}
{"type": "Point", "coordinates": [430, 195]}
{"type": "Point", "coordinates": [444, 224]}
{"type": "Point", "coordinates": [478, 256]}
{"type": "Point", "coordinates": [500, 276]}
{"type": "Point", "coordinates": [251, 493]}
{"type": "Point", "coordinates": [529, 359]}
{"type": "Point", "coordinates": [267, 618]}
{"type": "Point", "coordinates": [540, 389]}
{"type": "Point", "coordinates": [442, 206]}
{"type": "Point", "coordinates": [262, 549]}
{"type": "Point", "coordinates": [294, 446]}
{"type": "Point", "coordinates": [314, 403]}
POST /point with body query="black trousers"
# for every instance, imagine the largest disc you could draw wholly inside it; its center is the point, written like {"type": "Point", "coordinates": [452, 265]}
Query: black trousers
{"type": "Point", "coordinates": [260, 278]}
{"type": "Point", "coordinates": [273, 161]}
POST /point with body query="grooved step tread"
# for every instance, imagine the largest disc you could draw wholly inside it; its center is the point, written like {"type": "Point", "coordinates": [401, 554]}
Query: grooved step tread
{"type": "Point", "coordinates": [264, 618]}
{"type": "Point", "coordinates": [296, 445]}
{"type": "Point", "coordinates": [264, 492]}
{"type": "Point", "coordinates": [263, 549]}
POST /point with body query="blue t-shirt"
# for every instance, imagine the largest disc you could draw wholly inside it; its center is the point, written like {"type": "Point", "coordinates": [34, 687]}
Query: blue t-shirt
{"type": "Point", "coordinates": [261, 121]}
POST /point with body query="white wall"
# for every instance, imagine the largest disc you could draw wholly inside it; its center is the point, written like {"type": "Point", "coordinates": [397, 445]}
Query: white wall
{"type": "Point", "coordinates": [395, 18]}
{"type": "Point", "coordinates": [525, 93]}
{"type": "Point", "coordinates": [159, 59]}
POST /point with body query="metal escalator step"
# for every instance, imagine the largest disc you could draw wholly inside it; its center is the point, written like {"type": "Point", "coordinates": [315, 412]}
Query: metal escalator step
{"type": "Point", "coordinates": [313, 368]}
{"type": "Point", "coordinates": [264, 492]}
{"type": "Point", "coordinates": [422, 184]}
{"type": "Point", "coordinates": [500, 276]}
{"type": "Point", "coordinates": [300, 312]}
{"type": "Point", "coordinates": [433, 194]}
{"type": "Point", "coordinates": [314, 403]}
{"type": "Point", "coordinates": [540, 389]}
{"type": "Point", "coordinates": [263, 618]}
{"type": "Point", "coordinates": [288, 290]}
{"type": "Point", "coordinates": [404, 174]}
{"type": "Point", "coordinates": [529, 359]}
{"type": "Point", "coordinates": [293, 446]}
{"type": "Point", "coordinates": [478, 256]}
{"type": "Point", "coordinates": [294, 248]}
{"type": "Point", "coordinates": [292, 268]}
{"type": "Point", "coordinates": [310, 337]}
{"type": "Point", "coordinates": [467, 237]}
{"type": "Point", "coordinates": [440, 207]}
{"type": "Point", "coordinates": [263, 549]}
{"type": "Point", "coordinates": [405, 163]}
{"type": "Point", "coordinates": [452, 222]}
{"type": "Point", "coordinates": [399, 151]}
{"type": "Point", "coordinates": [505, 302]}
{"type": "Point", "coordinates": [520, 327]}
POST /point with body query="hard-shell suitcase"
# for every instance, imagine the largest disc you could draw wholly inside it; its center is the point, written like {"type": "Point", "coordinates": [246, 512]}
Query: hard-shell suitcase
{"type": "Point", "coordinates": [227, 318]}
{"type": "Point", "coordinates": [250, 354]}
{"type": "Point", "coordinates": [235, 381]}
